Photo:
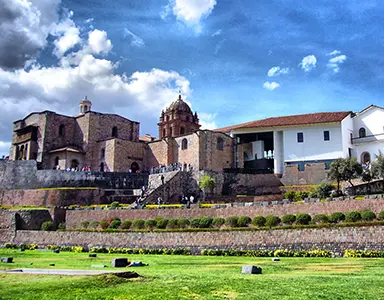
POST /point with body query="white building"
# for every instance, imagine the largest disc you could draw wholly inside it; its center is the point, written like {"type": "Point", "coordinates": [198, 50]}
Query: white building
{"type": "Point", "coordinates": [302, 140]}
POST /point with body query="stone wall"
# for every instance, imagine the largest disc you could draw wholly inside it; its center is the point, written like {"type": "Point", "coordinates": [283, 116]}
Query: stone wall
{"type": "Point", "coordinates": [157, 153]}
{"type": "Point", "coordinates": [48, 197]}
{"type": "Point", "coordinates": [128, 152]}
{"type": "Point", "coordinates": [334, 239]}
{"type": "Point", "coordinates": [313, 173]}
{"type": "Point", "coordinates": [74, 218]}
{"type": "Point", "coordinates": [7, 226]}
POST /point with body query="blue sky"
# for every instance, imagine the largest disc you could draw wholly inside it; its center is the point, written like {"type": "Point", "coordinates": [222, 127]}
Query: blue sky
{"type": "Point", "coordinates": [234, 61]}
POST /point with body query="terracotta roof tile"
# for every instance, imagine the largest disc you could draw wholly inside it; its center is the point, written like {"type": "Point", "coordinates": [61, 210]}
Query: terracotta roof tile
{"type": "Point", "coordinates": [306, 119]}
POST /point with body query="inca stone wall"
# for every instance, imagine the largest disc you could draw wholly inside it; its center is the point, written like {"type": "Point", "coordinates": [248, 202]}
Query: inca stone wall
{"type": "Point", "coordinates": [334, 239]}
{"type": "Point", "coordinates": [74, 218]}
{"type": "Point", "coordinates": [7, 226]}
{"type": "Point", "coordinates": [314, 173]}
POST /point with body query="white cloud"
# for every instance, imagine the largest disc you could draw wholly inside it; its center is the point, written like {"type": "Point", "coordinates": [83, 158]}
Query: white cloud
{"type": "Point", "coordinates": [334, 52]}
{"type": "Point", "coordinates": [219, 45]}
{"type": "Point", "coordinates": [68, 36]}
{"type": "Point", "coordinates": [190, 12]}
{"type": "Point", "coordinates": [135, 40]}
{"type": "Point", "coordinates": [276, 71]}
{"type": "Point", "coordinates": [98, 42]}
{"type": "Point", "coordinates": [270, 85]}
{"type": "Point", "coordinates": [335, 62]}
{"type": "Point", "coordinates": [207, 120]}
{"type": "Point", "coordinates": [217, 32]}
{"type": "Point", "coordinates": [308, 63]}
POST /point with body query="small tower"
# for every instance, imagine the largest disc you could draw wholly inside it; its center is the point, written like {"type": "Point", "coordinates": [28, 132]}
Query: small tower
{"type": "Point", "coordinates": [177, 119]}
{"type": "Point", "coordinates": [85, 105]}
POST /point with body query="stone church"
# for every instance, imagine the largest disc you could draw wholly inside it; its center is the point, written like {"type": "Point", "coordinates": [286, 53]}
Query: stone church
{"type": "Point", "coordinates": [111, 143]}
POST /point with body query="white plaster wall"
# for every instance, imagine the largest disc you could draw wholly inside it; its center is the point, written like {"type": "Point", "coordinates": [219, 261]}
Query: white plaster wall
{"type": "Point", "coordinates": [371, 148]}
{"type": "Point", "coordinates": [314, 147]}
{"type": "Point", "coordinates": [372, 120]}
{"type": "Point", "coordinates": [347, 127]}
{"type": "Point", "coordinates": [258, 149]}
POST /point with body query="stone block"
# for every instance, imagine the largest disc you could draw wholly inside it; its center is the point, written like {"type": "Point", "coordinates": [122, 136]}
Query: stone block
{"type": "Point", "coordinates": [7, 260]}
{"type": "Point", "coordinates": [251, 270]}
{"type": "Point", "coordinates": [119, 262]}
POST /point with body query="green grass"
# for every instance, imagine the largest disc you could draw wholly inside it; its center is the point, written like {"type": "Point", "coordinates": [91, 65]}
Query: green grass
{"type": "Point", "coordinates": [195, 277]}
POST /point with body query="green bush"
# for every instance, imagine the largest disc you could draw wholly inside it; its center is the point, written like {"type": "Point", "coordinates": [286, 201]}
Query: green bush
{"type": "Point", "coordinates": [353, 216]}
{"type": "Point", "coordinates": [271, 221]}
{"type": "Point", "coordinates": [195, 222]}
{"type": "Point", "coordinates": [288, 219]}
{"type": "Point", "coordinates": [104, 224]}
{"type": "Point", "coordinates": [10, 246]}
{"type": "Point", "coordinates": [259, 221]}
{"type": "Point", "coordinates": [324, 189]}
{"type": "Point", "coordinates": [368, 215]}
{"type": "Point", "coordinates": [84, 224]}
{"type": "Point", "coordinates": [61, 226]}
{"type": "Point", "coordinates": [313, 195]}
{"type": "Point", "coordinates": [150, 224]}
{"type": "Point", "coordinates": [115, 224]}
{"type": "Point", "coordinates": [48, 226]}
{"type": "Point", "coordinates": [302, 195]}
{"type": "Point", "coordinates": [126, 224]}
{"type": "Point", "coordinates": [290, 195]}
{"type": "Point", "coordinates": [173, 223]}
{"type": "Point", "coordinates": [232, 221]}
{"type": "Point", "coordinates": [303, 219]}
{"type": "Point", "coordinates": [161, 223]}
{"type": "Point", "coordinates": [218, 222]}
{"type": "Point", "coordinates": [244, 221]}
{"type": "Point", "coordinates": [381, 215]}
{"type": "Point", "coordinates": [337, 217]}
{"type": "Point", "coordinates": [182, 222]}
{"type": "Point", "coordinates": [320, 219]}
{"type": "Point", "coordinates": [138, 224]}
{"type": "Point", "coordinates": [115, 204]}
{"type": "Point", "coordinates": [363, 253]}
{"type": "Point", "coordinates": [205, 222]}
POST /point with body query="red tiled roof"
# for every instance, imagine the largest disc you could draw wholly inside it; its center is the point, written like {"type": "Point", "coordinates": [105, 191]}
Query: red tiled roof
{"type": "Point", "coordinates": [306, 119]}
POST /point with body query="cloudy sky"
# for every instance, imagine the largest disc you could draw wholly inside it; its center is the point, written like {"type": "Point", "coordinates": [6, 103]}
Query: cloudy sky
{"type": "Point", "coordinates": [234, 61]}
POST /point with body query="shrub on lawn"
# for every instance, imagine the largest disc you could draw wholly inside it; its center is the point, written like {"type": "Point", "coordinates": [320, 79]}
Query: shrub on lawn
{"type": "Point", "coordinates": [138, 224]}
{"type": "Point", "coordinates": [61, 226]}
{"type": "Point", "coordinates": [218, 222]}
{"type": "Point", "coordinates": [353, 216]}
{"type": "Point", "coordinates": [232, 221]}
{"type": "Point", "coordinates": [381, 215]}
{"type": "Point", "coordinates": [182, 222]}
{"type": "Point", "coordinates": [10, 246]}
{"type": "Point", "coordinates": [259, 221]}
{"type": "Point", "coordinates": [115, 224]}
{"type": "Point", "coordinates": [271, 221]}
{"type": "Point", "coordinates": [303, 219]}
{"type": "Point", "coordinates": [368, 215]}
{"type": "Point", "coordinates": [205, 222]}
{"type": "Point", "coordinates": [320, 219]}
{"type": "Point", "coordinates": [115, 204]}
{"type": "Point", "coordinates": [173, 223]}
{"type": "Point", "coordinates": [104, 224]}
{"type": "Point", "coordinates": [302, 195]}
{"type": "Point", "coordinates": [150, 224]}
{"type": "Point", "coordinates": [337, 217]}
{"type": "Point", "coordinates": [290, 195]}
{"type": "Point", "coordinates": [48, 226]}
{"type": "Point", "coordinates": [126, 224]}
{"type": "Point", "coordinates": [161, 223]}
{"type": "Point", "coordinates": [244, 221]}
{"type": "Point", "coordinates": [288, 219]}
{"type": "Point", "coordinates": [324, 189]}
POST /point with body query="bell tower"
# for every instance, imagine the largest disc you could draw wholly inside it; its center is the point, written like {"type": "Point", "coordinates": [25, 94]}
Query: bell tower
{"type": "Point", "coordinates": [177, 119]}
{"type": "Point", "coordinates": [85, 105]}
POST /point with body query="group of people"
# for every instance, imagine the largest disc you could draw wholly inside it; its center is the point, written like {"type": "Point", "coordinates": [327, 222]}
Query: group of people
{"type": "Point", "coordinates": [77, 169]}
{"type": "Point", "coordinates": [172, 167]}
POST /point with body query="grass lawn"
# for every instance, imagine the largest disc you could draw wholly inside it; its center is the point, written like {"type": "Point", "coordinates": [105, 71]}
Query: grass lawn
{"type": "Point", "coordinates": [195, 277]}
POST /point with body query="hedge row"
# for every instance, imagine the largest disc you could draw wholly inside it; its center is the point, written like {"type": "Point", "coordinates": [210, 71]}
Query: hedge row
{"type": "Point", "coordinates": [266, 253]}
{"type": "Point", "coordinates": [234, 221]}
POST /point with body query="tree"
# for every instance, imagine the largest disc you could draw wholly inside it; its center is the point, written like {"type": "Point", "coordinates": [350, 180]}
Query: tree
{"type": "Point", "coordinates": [335, 171]}
{"type": "Point", "coordinates": [378, 166]}
{"type": "Point", "coordinates": [351, 169]}
{"type": "Point", "coordinates": [207, 183]}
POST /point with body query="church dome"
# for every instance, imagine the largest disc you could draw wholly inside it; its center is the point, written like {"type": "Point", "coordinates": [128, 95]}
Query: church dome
{"type": "Point", "coordinates": [180, 105]}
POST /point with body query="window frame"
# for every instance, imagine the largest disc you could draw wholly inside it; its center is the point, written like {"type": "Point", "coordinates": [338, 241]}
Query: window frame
{"type": "Point", "coordinates": [325, 137]}
{"type": "Point", "coordinates": [300, 137]}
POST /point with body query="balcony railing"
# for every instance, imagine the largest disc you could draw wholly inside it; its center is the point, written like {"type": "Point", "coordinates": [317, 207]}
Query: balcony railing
{"type": "Point", "coordinates": [368, 138]}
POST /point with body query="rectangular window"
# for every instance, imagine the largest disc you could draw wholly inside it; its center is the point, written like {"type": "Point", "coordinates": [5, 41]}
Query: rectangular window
{"type": "Point", "coordinates": [300, 137]}
{"type": "Point", "coordinates": [326, 135]}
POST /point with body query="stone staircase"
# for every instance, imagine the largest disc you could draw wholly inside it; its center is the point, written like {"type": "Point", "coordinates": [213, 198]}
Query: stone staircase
{"type": "Point", "coordinates": [123, 196]}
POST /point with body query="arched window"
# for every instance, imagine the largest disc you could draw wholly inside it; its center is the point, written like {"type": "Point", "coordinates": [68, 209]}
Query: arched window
{"type": "Point", "coordinates": [187, 119]}
{"type": "Point", "coordinates": [365, 157]}
{"type": "Point", "coordinates": [164, 132]}
{"type": "Point", "coordinates": [102, 154]}
{"type": "Point", "coordinates": [62, 130]}
{"type": "Point", "coordinates": [135, 167]}
{"type": "Point", "coordinates": [85, 108]}
{"type": "Point", "coordinates": [184, 144]}
{"type": "Point", "coordinates": [57, 159]}
{"type": "Point", "coordinates": [74, 164]}
{"type": "Point", "coordinates": [170, 131]}
{"type": "Point", "coordinates": [102, 167]}
{"type": "Point", "coordinates": [220, 144]}
{"type": "Point", "coordinates": [22, 151]}
{"type": "Point", "coordinates": [114, 132]}
{"type": "Point", "coordinates": [182, 130]}
{"type": "Point", "coordinates": [167, 118]}
{"type": "Point", "coordinates": [362, 132]}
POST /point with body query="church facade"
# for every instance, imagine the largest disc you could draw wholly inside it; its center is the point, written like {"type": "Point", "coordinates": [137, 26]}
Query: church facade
{"type": "Point", "coordinates": [111, 143]}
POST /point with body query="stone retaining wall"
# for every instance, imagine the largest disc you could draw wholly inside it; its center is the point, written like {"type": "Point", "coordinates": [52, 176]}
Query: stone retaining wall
{"type": "Point", "coordinates": [7, 226]}
{"type": "Point", "coordinates": [334, 239]}
{"type": "Point", "coordinates": [75, 217]}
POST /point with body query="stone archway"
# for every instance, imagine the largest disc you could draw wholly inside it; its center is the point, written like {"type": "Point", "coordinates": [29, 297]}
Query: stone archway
{"type": "Point", "coordinates": [134, 167]}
